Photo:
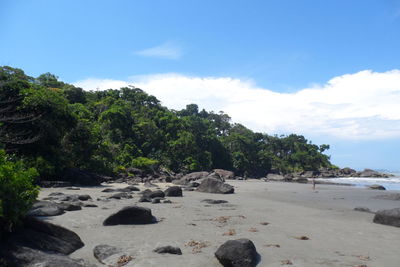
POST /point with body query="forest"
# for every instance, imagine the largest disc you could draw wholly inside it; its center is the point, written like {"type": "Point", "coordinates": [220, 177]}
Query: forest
{"type": "Point", "coordinates": [50, 125]}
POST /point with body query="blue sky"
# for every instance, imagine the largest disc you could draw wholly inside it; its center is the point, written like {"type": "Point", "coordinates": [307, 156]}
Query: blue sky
{"type": "Point", "coordinates": [326, 69]}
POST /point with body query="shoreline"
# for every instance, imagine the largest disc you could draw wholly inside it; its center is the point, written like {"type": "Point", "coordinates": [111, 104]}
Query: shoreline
{"type": "Point", "coordinates": [338, 235]}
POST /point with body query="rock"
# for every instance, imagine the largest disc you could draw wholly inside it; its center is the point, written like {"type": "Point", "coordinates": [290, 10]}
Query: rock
{"type": "Point", "coordinates": [149, 184]}
{"type": "Point", "coordinates": [363, 209]}
{"type": "Point", "coordinates": [173, 191]}
{"type": "Point", "coordinates": [194, 176]}
{"type": "Point", "coordinates": [73, 188]}
{"type": "Point", "coordinates": [193, 184]}
{"type": "Point", "coordinates": [130, 215]}
{"type": "Point", "coordinates": [129, 188]}
{"type": "Point", "coordinates": [275, 177]}
{"type": "Point", "coordinates": [153, 194]}
{"type": "Point", "coordinates": [108, 190]}
{"type": "Point", "coordinates": [80, 177]}
{"type": "Point", "coordinates": [168, 179]}
{"type": "Point", "coordinates": [89, 205]}
{"type": "Point", "coordinates": [70, 206]}
{"type": "Point", "coordinates": [102, 252]}
{"type": "Point", "coordinates": [42, 235]}
{"type": "Point", "coordinates": [84, 197]}
{"type": "Point", "coordinates": [376, 187]}
{"type": "Point", "coordinates": [388, 217]}
{"type": "Point", "coordinates": [45, 208]}
{"type": "Point", "coordinates": [214, 201]}
{"type": "Point", "coordinates": [371, 173]}
{"type": "Point", "coordinates": [300, 180]}
{"type": "Point", "coordinates": [211, 185]}
{"type": "Point", "coordinates": [144, 199]}
{"type": "Point", "coordinates": [26, 257]}
{"type": "Point", "coordinates": [347, 171]}
{"type": "Point", "coordinates": [309, 174]}
{"type": "Point", "coordinates": [237, 253]}
{"type": "Point", "coordinates": [225, 174]}
{"type": "Point", "coordinates": [167, 201]}
{"type": "Point", "coordinates": [169, 250]}
{"type": "Point", "coordinates": [156, 200]}
{"type": "Point", "coordinates": [120, 195]}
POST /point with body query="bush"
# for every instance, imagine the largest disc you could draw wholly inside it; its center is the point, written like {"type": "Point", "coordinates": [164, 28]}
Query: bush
{"type": "Point", "coordinates": [17, 192]}
{"type": "Point", "coordinates": [144, 163]}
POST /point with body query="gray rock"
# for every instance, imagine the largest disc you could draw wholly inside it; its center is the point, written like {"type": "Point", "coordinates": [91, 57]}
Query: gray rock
{"type": "Point", "coordinates": [211, 185]}
{"type": "Point", "coordinates": [70, 206]}
{"type": "Point", "coordinates": [153, 194]}
{"type": "Point", "coordinates": [167, 201]}
{"type": "Point", "coordinates": [173, 191]}
{"type": "Point", "coordinates": [130, 215]}
{"type": "Point", "coordinates": [214, 201]}
{"type": "Point", "coordinates": [73, 188]}
{"type": "Point", "coordinates": [102, 252]}
{"type": "Point", "coordinates": [90, 205]}
{"type": "Point", "coordinates": [156, 200]}
{"type": "Point", "coordinates": [237, 253]}
{"type": "Point", "coordinates": [388, 217]}
{"type": "Point", "coordinates": [224, 174]}
{"type": "Point", "coordinates": [129, 188]}
{"type": "Point", "coordinates": [45, 208]}
{"type": "Point", "coordinates": [363, 209]}
{"type": "Point", "coordinates": [28, 257]}
{"type": "Point", "coordinates": [120, 195]}
{"type": "Point", "coordinates": [169, 250]}
{"type": "Point", "coordinates": [275, 177]}
{"type": "Point", "coordinates": [194, 176]}
{"type": "Point", "coordinates": [108, 190]}
{"type": "Point", "coordinates": [376, 187]}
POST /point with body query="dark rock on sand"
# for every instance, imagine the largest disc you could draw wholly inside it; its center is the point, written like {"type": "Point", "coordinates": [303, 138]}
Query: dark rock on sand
{"type": "Point", "coordinates": [48, 184]}
{"type": "Point", "coordinates": [153, 194]}
{"type": "Point", "coordinates": [20, 256]}
{"type": "Point", "coordinates": [81, 177]}
{"type": "Point", "coordinates": [214, 201]}
{"type": "Point", "coordinates": [90, 205]}
{"type": "Point", "coordinates": [120, 195]}
{"type": "Point", "coordinates": [377, 187]}
{"type": "Point", "coordinates": [42, 235]}
{"type": "Point", "coordinates": [237, 253]}
{"type": "Point", "coordinates": [363, 209]}
{"type": "Point", "coordinates": [70, 206]}
{"type": "Point", "coordinates": [211, 185]}
{"type": "Point", "coordinates": [224, 174]}
{"type": "Point", "coordinates": [156, 200]}
{"type": "Point", "coordinates": [144, 199]}
{"type": "Point", "coordinates": [169, 250]}
{"type": "Point", "coordinates": [45, 208]}
{"type": "Point", "coordinates": [173, 191]}
{"type": "Point", "coordinates": [102, 252]}
{"type": "Point", "coordinates": [130, 215]}
{"type": "Point", "coordinates": [129, 188]}
{"type": "Point", "coordinates": [388, 217]}
{"type": "Point", "coordinates": [108, 190]}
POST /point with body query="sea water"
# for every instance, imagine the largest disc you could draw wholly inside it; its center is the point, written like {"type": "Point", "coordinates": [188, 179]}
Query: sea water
{"type": "Point", "coordinates": [392, 183]}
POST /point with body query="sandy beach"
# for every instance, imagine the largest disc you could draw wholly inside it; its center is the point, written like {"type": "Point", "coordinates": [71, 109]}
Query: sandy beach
{"type": "Point", "coordinates": [275, 216]}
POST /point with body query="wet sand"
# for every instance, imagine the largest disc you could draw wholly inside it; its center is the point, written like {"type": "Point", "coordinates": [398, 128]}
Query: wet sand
{"type": "Point", "coordinates": [273, 215]}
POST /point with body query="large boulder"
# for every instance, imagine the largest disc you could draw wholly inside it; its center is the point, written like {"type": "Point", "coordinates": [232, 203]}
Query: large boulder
{"type": "Point", "coordinates": [347, 171]}
{"type": "Point", "coordinates": [194, 176]}
{"type": "Point", "coordinates": [212, 185]}
{"type": "Point", "coordinates": [388, 217]}
{"type": "Point", "coordinates": [130, 215]}
{"type": "Point", "coordinates": [45, 208]}
{"type": "Point", "coordinates": [26, 257]}
{"type": "Point", "coordinates": [237, 253]}
{"type": "Point", "coordinates": [173, 191]}
{"type": "Point", "coordinates": [224, 174]}
{"type": "Point", "coordinates": [371, 173]}
{"type": "Point", "coordinates": [275, 177]}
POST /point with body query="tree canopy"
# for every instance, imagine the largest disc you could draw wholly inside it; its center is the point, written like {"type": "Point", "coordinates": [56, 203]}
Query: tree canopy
{"type": "Point", "coordinates": [52, 125]}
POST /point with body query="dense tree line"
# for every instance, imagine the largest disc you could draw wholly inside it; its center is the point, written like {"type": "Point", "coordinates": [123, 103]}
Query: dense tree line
{"type": "Point", "coordinates": [51, 125]}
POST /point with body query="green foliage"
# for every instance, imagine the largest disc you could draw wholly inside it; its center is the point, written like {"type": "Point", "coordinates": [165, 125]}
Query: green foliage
{"type": "Point", "coordinates": [107, 131]}
{"type": "Point", "coordinates": [17, 192]}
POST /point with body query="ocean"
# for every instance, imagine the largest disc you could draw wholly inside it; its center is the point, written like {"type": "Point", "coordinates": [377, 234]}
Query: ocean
{"type": "Point", "coordinates": [392, 183]}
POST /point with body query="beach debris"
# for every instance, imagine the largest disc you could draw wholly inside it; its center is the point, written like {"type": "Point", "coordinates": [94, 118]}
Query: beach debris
{"type": "Point", "coordinates": [377, 187]}
{"type": "Point", "coordinates": [197, 245]}
{"type": "Point", "coordinates": [272, 246]}
{"type": "Point", "coordinates": [214, 201]}
{"type": "Point", "coordinates": [237, 253]}
{"type": "Point", "coordinates": [254, 230]}
{"type": "Point", "coordinates": [230, 232]}
{"type": "Point", "coordinates": [264, 223]}
{"type": "Point", "coordinates": [286, 262]}
{"type": "Point", "coordinates": [363, 257]}
{"type": "Point", "coordinates": [123, 260]}
{"type": "Point", "coordinates": [303, 237]}
{"type": "Point", "coordinates": [222, 219]}
{"type": "Point", "coordinates": [360, 265]}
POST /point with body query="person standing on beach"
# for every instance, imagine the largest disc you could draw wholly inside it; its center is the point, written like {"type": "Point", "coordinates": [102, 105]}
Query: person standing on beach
{"type": "Point", "coordinates": [313, 183]}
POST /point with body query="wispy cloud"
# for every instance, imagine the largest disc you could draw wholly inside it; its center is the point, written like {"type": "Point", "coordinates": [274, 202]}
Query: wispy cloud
{"type": "Point", "coordinates": [167, 50]}
{"type": "Point", "coordinates": [363, 105]}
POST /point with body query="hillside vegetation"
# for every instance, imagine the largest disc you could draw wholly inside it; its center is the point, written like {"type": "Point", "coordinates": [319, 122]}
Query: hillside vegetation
{"type": "Point", "coordinates": [51, 125]}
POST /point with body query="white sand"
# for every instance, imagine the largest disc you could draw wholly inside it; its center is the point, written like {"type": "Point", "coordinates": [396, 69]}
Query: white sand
{"type": "Point", "coordinates": [338, 235]}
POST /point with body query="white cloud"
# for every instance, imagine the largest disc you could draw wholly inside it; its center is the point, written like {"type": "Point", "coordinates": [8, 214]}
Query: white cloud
{"type": "Point", "coordinates": [168, 50]}
{"type": "Point", "coordinates": [364, 105]}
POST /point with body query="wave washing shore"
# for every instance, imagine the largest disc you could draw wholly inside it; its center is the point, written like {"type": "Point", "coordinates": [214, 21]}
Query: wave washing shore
{"type": "Point", "coordinates": [392, 183]}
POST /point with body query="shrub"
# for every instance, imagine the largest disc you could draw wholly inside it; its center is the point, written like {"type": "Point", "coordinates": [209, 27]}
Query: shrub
{"type": "Point", "coordinates": [17, 192]}
{"type": "Point", "coordinates": [144, 163]}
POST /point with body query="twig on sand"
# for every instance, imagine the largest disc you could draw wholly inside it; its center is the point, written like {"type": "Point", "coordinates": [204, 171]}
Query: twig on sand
{"type": "Point", "coordinates": [252, 229]}
{"type": "Point", "coordinates": [286, 262]}
{"type": "Point", "coordinates": [197, 245]}
{"type": "Point", "coordinates": [272, 246]}
{"type": "Point", "coordinates": [230, 232]}
{"type": "Point", "coordinates": [303, 237]}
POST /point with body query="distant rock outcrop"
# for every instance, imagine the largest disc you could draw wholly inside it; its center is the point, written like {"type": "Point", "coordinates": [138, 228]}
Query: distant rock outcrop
{"type": "Point", "coordinates": [212, 185]}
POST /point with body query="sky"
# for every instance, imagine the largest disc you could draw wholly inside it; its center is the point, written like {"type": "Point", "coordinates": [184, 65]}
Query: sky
{"type": "Point", "coordinates": [326, 69]}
